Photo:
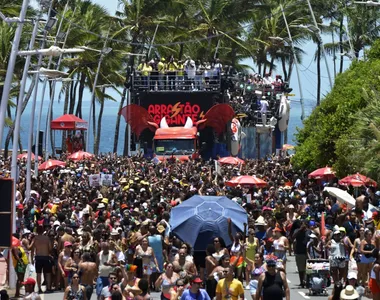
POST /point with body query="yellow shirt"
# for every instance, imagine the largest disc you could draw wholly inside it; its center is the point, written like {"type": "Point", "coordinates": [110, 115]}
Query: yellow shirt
{"type": "Point", "coordinates": [232, 289]}
{"type": "Point", "coordinates": [161, 67]}
{"type": "Point", "coordinates": [377, 224]}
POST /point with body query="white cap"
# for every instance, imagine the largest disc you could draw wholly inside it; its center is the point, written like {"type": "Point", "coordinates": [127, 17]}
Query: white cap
{"type": "Point", "coordinates": [312, 236]}
{"type": "Point", "coordinates": [352, 275]}
{"type": "Point", "coordinates": [57, 223]}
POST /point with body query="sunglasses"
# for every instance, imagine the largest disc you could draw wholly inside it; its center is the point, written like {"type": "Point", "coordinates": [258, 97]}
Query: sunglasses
{"type": "Point", "coordinates": [216, 241]}
{"type": "Point", "coordinates": [113, 278]}
{"type": "Point", "coordinates": [271, 266]}
{"type": "Point", "coordinates": [75, 277]}
{"type": "Point", "coordinates": [76, 252]}
{"type": "Point", "coordinates": [115, 288]}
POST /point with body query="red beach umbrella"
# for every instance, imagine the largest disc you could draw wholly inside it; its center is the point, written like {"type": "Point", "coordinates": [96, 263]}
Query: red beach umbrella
{"type": "Point", "coordinates": [357, 180]}
{"type": "Point", "coordinates": [81, 155]}
{"type": "Point", "coordinates": [51, 164]}
{"type": "Point", "coordinates": [246, 180]}
{"type": "Point", "coordinates": [326, 172]}
{"type": "Point", "coordinates": [229, 160]}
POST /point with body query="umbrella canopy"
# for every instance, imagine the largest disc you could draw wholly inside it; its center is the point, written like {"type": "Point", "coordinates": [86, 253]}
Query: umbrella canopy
{"type": "Point", "coordinates": [357, 180]}
{"type": "Point", "coordinates": [325, 172]}
{"type": "Point", "coordinates": [201, 218]}
{"type": "Point", "coordinates": [341, 195]}
{"type": "Point", "coordinates": [68, 122]}
{"type": "Point", "coordinates": [51, 164]}
{"type": "Point", "coordinates": [229, 160]}
{"type": "Point", "coordinates": [25, 156]}
{"type": "Point", "coordinates": [247, 181]}
{"type": "Point", "coordinates": [81, 155]}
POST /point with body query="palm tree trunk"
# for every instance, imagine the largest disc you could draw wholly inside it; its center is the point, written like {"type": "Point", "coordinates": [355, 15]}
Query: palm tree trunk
{"type": "Point", "coordinates": [9, 135]}
{"type": "Point", "coordinates": [283, 62]}
{"type": "Point", "coordinates": [65, 109]}
{"type": "Point", "coordinates": [341, 44]}
{"type": "Point", "coordinates": [319, 74]}
{"type": "Point", "coordinates": [117, 127]}
{"type": "Point", "coordinates": [99, 129]}
{"type": "Point", "coordinates": [51, 132]}
{"type": "Point", "coordinates": [82, 83]}
{"type": "Point", "coordinates": [72, 99]}
{"type": "Point", "coordinates": [180, 54]}
{"type": "Point", "coordinates": [271, 65]}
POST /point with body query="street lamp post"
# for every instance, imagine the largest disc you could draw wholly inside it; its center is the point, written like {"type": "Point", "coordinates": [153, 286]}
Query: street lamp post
{"type": "Point", "coordinates": [58, 36]}
{"type": "Point", "coordinates": [11, 67]}
{"type": "Point", "coordinates": [16, 129]}
{"type": "Point", "coordinates": [321, 42]}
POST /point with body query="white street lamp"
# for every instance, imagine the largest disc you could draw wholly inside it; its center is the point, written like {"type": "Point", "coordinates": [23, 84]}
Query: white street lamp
{"type": "Point", "coordinates": [52, 51]}
{"type": "Point", "coordinates": [49, 72]}
{"type": "Point", "coordinates": [368, 3]}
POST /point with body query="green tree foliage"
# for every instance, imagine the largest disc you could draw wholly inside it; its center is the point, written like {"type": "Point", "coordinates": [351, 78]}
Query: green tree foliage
{"type": "Point", "coordinates": [344, 130]}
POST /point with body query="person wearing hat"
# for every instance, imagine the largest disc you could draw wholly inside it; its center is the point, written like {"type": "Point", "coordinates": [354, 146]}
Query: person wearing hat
{"type": "Point", "coordinates": [195, 291]}
{"type": "Point", "coordinates": [30, 285]}
{"type": "Point", "coordinates": [281, 245]}
{"type": "Point", "coordinates": [272, 284]}
{"type": "Point", "coordinates": [229, 287]}
{"type": "Point", "coordinates": [337, 256]}
{"type": "Point", "coordinates": [352, 279]}
{"type": "Point", "coordinates": [313, 247]}
{"type": "Point", "coordinates": [349, 293]}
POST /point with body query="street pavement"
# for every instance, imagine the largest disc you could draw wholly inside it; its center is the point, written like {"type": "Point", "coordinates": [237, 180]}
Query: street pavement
{"type": "Point", "coordinates": [296, 293]}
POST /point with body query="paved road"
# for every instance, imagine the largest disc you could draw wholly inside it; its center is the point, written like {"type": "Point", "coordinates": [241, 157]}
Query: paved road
{"type": "Point", "coordinates": [296, 293]}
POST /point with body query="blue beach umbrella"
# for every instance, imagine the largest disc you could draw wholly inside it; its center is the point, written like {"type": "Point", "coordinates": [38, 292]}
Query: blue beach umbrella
{"type": "Point", "coordinates": [201, 218]}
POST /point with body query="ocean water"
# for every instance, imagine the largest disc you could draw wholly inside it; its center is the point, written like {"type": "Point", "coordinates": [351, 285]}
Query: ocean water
{"type": "Point", "coordinates": [109, 122]}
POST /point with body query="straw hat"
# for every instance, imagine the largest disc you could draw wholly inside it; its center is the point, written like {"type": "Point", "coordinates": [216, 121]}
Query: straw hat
{"type": "Point", "coordinates": [349, 293]}
{"type": "Point", "coordinates": [260, 221]}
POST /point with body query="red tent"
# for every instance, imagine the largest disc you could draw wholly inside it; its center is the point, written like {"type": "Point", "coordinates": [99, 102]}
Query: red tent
{"type": "Point", "coordinates": [68, 122]}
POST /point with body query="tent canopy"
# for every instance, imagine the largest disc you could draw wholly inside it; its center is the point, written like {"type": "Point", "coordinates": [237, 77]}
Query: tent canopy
{"type": "Point", "coordinates": [68, 122]}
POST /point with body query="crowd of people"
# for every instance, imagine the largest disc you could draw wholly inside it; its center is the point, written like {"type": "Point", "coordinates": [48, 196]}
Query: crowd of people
{"type": "Point", "coordinates": [173, 74]}
{"type": "Point", "coordinates": [117, 239]}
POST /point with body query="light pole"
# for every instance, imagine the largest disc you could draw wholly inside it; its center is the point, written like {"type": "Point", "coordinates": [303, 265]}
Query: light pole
{"type": "Point", "coordinates": [321, 42]}
{"type": "Point", "coordinates": [11, 67]}
{"type": "Point", "coordinates": [295, 62]}
{"type": "Point", "coordinates": [102, 52]}
{"type": "Point", "coordinates": [16, 129]}
{"type": "Point", "coordinates": [60, 35]}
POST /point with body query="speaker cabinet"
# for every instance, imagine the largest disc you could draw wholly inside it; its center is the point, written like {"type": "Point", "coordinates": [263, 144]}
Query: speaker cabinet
{"type": "Point", "coordinates": [6, 208]}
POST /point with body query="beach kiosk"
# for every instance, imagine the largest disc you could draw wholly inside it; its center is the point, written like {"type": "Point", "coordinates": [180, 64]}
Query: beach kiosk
{"type": "Point", "coordinates": [75, 127]}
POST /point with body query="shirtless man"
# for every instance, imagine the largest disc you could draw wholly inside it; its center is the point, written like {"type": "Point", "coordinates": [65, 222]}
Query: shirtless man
{"type": "Point", "coordinates": [183, 265]}
{"type": "Point", "coordinates": [88, 271]}
{"type": "Point", "coordinates": [42, 247]}
{"type": "Point", "coordinates": [66, 237]}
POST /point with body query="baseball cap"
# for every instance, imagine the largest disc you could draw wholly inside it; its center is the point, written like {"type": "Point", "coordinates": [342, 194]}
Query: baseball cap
{"type": "Point", "coordinates": [336, 232]}
{"type": "Point", "coordinates": [29, 281]}
{"type": "Point", "coordinates": [271, 262]}
{"type": "Point", "coordinates": [67, 244]}
{"type": "Point", "coordinates": [197, 280]}
{"type": "Point", "coordinates": [352, 275]}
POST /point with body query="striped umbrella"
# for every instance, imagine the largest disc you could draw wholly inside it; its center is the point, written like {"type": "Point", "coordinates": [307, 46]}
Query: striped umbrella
{"type": "Point", "coordinates": [25, 156]}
